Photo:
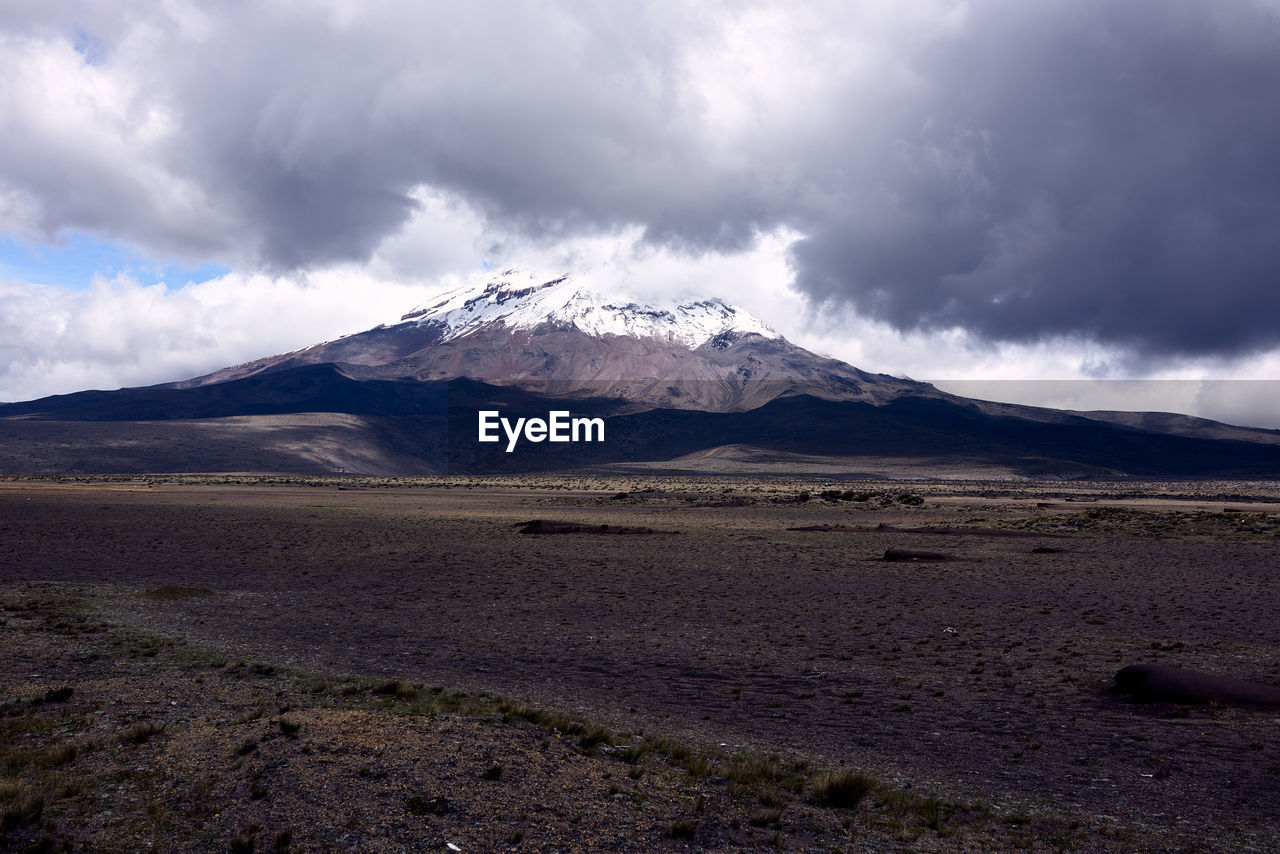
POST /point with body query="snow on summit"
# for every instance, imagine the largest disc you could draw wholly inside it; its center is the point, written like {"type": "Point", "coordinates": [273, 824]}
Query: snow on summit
{"type": "Point", "coordinates": [521, 300]}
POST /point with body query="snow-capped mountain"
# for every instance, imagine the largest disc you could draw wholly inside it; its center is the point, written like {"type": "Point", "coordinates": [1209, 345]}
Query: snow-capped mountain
{"type": "Point", "coordinates": [404, 398]}
{"type": "Point", "coordinates": [560, 336]}
{"type": "Point", "coordinates": [518, 299]}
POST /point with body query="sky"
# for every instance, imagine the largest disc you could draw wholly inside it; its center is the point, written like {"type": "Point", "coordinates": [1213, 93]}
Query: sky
{"type": "Point", "coordinates": [1066, 202]}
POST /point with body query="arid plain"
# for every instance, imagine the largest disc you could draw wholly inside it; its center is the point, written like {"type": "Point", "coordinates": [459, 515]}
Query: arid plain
{"type": "Point", "coordinates": [197, 663]}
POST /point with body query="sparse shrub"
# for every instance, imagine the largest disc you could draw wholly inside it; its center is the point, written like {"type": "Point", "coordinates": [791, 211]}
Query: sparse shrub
{"type": "Point", "coordinates": [58, 755]}
{"type": "Point", "coordinates": [396, 688]}
{"type": "Point", "coordinates": [592, 738]}
{"type": "Point", "coordinates": [910, 498]}
{"type": "Point", "coordinates": [633, 753]}
{"type": "Point", "coordinates": [22, 806]}
{"type": "Point", "coordinates": [935, 812]}
{"type": "Point", "coordinates": [140, 732]}
{"type": "Point", "coordinates": [682, 829]}
{"type": "Point", "coordinates": [754, 770]}
{"type": "Point", "coordinates": [773, 798]}
{"type": "Point", "coordinates": [698, 766]}
{"type": "Point", "coordinates": [765, 817]}
{"type": "Point", "coordinates": [844, 789]}
{"type": "Point", "coordinates": [58, 695]}
{"type": "Point", "coordinates": [493, 772]}
{"type": "Point", "coordinates": [280, 844]}
{"type": "Point", "coordinates": [246, 840]}
{"type": "Point", "coordinates": [766, 771]}
{"type": "Point", "coordinates": [251, 715]}
{"type": "Point", "coordinates": [290, 728]}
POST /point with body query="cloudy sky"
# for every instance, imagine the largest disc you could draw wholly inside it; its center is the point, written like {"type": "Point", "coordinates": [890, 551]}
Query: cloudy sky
{"type": "Point", "coordinates": [991, 190]}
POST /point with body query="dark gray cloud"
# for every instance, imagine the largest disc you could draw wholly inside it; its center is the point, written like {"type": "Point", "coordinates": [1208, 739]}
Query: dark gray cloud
{"type": "Point", "coordinates": [1088, 168]}
{"type": "Point", "coordinates": [1023, 170]}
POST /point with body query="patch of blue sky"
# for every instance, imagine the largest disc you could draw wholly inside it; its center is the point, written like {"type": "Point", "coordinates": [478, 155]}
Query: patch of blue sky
{"type": "Point", "coordinates": [80, 257]}
{"type": "Point", "coordinates": [89, 46]}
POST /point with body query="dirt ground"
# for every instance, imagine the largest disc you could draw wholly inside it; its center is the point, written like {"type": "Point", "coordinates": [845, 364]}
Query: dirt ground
{"type": "Point", "coordinates": [975, 688]}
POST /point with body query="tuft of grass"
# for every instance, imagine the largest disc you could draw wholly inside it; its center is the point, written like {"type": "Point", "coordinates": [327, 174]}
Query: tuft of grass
{"type": "Point", "coordinates": [632, 754]}
{"type": "Point", "coordinates": [290, 728]}
{"type": "Point", "coordinates": [682, 829]}
{"type": "Point", "coordinates": [57, 755]}
{"type": "Point", "coordinates": [592, 738]}
{"type": "Point", "coordinates": [58, 695]}
{"type": "Point", "coordinates": [767, 771]}
{"type": "Point", "coordinates": [22, 806]}
{"type": "Point", "coordinates": [843, 789]}
{"type": "Point", "coordinates": [246, 840]}
{"type": "Point", "coordinates": [493, 772]}
{"type": "Point", "coordinates": [395, 688]}
{"type": "Point", "coordinates": [140, 732]}
{"type": "Point", "coordinates": [280, 844]}
{"type": "Point", "coordinates": [765, 817]}
{"type": "Point", "coordinates": [935, 812]}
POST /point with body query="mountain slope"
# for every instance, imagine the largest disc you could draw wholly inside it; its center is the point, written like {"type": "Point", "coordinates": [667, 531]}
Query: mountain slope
{"type": "Point", "coordinates": [410, 427]}
{"type": "Point", "coordinates": [698, 379]}
{"type": "Point", "coordinates": [560, 338]}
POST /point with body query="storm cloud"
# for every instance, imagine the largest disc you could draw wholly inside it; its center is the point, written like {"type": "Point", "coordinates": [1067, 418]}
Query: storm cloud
{"type": "Point", "coordinates": [1086, 168]}
{"type": "Point", "coordinates": [1090, 169]}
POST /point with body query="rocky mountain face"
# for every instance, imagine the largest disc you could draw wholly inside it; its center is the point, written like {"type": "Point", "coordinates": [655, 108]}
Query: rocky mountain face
{"type": "Point", "coordinates": [560, 338]}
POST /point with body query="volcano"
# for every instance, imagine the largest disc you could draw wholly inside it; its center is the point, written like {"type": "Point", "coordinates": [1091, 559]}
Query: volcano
{"type": "Point", "coordinates": [698, 386]}
{"type": "Point", "coordinates": [561, 338]}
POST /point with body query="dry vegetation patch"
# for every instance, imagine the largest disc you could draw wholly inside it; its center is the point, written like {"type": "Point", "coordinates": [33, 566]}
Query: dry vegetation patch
{"type": "Point", "coordinates": [187, 749]}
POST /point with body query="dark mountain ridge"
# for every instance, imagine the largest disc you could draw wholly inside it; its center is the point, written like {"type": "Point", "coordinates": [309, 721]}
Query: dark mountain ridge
{"type": "Point", "coordinates": [431, 427]}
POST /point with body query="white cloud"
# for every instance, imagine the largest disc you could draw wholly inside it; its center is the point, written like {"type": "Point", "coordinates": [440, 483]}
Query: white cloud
{"type": "Point", "coordinates": [87, 149]}
{"type": "Point", "coordinates": [663, 149]}
{"type": "Point", "coordinates": [120, 333]}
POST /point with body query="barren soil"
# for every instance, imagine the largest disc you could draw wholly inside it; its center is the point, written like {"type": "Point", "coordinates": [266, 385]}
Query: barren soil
{"type": "Point", "coordinates": [699, 622]}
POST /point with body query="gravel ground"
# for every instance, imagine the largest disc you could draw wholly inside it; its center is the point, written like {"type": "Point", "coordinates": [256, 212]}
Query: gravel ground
{"type": "Point", "coordinates": [980, 680]}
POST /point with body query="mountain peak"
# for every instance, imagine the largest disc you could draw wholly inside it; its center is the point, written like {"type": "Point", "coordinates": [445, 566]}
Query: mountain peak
{"type": "Point", "coordinates": [519, 299]}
